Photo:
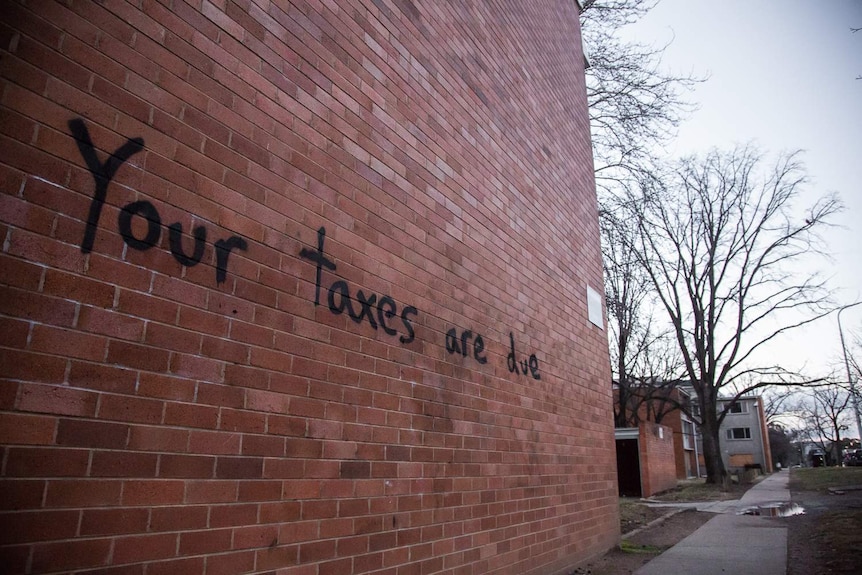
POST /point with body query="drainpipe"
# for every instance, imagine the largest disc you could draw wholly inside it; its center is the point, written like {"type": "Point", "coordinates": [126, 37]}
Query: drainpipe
{"type": "Point", "coordinates": [694, 440]}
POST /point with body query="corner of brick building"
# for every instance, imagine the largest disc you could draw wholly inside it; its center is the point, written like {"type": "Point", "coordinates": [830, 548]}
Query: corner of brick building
{"type": "Point", "coordinates": [657, 458]}
{"type": "Point", "coordinates": [300, 287]}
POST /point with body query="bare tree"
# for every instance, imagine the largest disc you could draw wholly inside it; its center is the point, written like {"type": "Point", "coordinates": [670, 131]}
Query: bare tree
{"type": "Point", "coordinates": [825, 412]}
{"type": "Point", "coordinates": [775, 405]}
{"type": "Point", "coordinates": [634, 103]}
{"type": "Point", "coordinates": [644, 360]}
{"type": "Point", "coordinates": [716, 237]}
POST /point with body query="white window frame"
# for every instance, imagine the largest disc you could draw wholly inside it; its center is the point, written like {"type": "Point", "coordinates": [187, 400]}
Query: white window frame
{"type": "Point", "coordinates": [687, 435]}
{"type": "Point", "coordinates": [741, 405]}
{"type": "Point", "coordinates": [729, 434]}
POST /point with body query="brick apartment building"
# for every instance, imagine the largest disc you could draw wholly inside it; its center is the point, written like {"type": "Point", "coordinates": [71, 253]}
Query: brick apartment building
{"type": "Point", "coordinates": [299, 287]}
{"type": "Point", "coordinates": [661, 404]}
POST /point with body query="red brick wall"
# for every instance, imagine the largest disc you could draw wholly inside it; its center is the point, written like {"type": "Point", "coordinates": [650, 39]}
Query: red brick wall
{"type": "Point", "coordinates": [658, 464]}
{"type": "Point", "coordinates": [185, 389]}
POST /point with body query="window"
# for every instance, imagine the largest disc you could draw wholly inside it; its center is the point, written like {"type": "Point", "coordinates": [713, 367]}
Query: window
{"type": "Point", "coordinates": [738, 408]}
{"type": "Point", "coordinates": [687, 435]}
{"type": "Point", "coordinates": [739, 433]}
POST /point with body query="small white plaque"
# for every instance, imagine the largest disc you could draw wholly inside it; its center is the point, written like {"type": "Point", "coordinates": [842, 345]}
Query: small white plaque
{"type": "Point", "coordinates": [594, 307]}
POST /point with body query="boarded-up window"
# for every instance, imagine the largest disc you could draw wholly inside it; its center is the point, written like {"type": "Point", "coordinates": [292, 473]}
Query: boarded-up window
{"type": "Point", "coordinates": [741, 459]}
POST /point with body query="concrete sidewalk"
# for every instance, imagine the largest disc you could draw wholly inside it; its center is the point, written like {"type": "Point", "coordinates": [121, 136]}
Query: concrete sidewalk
{"type": "Point", "coordinates": [730, 543]}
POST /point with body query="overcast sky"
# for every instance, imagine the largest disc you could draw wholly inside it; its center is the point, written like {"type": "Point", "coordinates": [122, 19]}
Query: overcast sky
{"type": "Point", "coordinates": [782, 75]}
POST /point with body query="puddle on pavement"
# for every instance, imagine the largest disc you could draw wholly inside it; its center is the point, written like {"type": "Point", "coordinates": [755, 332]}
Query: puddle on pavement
{"type": "Point", "coordinates": [774, 510]}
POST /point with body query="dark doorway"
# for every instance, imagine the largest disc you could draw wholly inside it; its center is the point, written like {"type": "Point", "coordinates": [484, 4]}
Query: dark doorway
{"type": "Point", "coordinates": [628, 467]}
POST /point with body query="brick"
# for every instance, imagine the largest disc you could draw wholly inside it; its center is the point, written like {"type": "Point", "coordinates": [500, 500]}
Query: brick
{"type": "Point", "coordinates": [277, 557]}
{"type": "Point", "coordinates": [213, 442]}
{"type": "Point", "coordinates": [317, 551]}
{"type": "Point", "coordinates": [211, 491]}
{"type": "Point", "coordinates": [27, 429]}
{"type": "Point", "coordinates": [131, 409]}
{"type": "Point", "coordinates": [280, 512]}
{"type": "Point", "coordinates": [123, 464]}
{"type": "Point", "coordinates": [191, 415]}
{"type": "Point", "coordinates": [78, 288]}
{"type": "Point", "coordinates": [153, 492]}
{"type": "Point", "coordinates": [260, 490]}
{"type": "Point", "coordinates": [205, 542]}
{"type": "Point", "coordinates": [301, 489]}
{"type": "Point", "coordinates": [137, 356]}
{"type": "Point", "coordinates": [22, 494]}
{"type": "Point", "coordinates": [20, 273]}
{"type": "Point", "coordinates": [158, 439]}
{"type": "Point", "coordinates": [41, 249]}
{"type": "Point", "coordinates": [178, 518]}
{"type": "Point", "coordinates": [243, 421]}
{"type": "Point", "coordinates": [239, 468]}
{"type": "Point", "coordinates": [78, 433]}
{"type": "Point", "coordinates": [165, 387]}
{"type": "Point", "coordinates": [82, 493]}
{"type": "Point", "coordinates": [110, 323]}
{"type": "Point", "coordinates": [156, 309]}
{"type": "Point", "coordinates": [15, 558]}
{"type": "Point", "coordinates": [13, 333]}
{"type": "Point", "coordinates": [221, 395]}
{"type": "Point", "coordinates": [46, 462]}
{"type": "Point", "coordinates": [233, 515]}
{"type": "Point", "coordinates": [196, 367]}
{"type": "Point", "coordinates": [263, 445]}
{"type": "Point", "coordinates": [225, 350]}
{"type": "Point", "coordinates": [37, 526]}
{"type": "Point", "coordinates": [102, 377]}
{"type": "Point", "coordinates": [55, 399]}
{"type": "Point", "coordinates": [26, 366]}
{"type": "Point", "coordinates": [177, 566]}
{"type": "Point", "coordinates": [256, 536]}
{"type": "Point", "coordinates": [116, 521]}
{"type": "Point", "coordinates": [138, 548]}
{"type": "Point", "coordinates": [68, 555]}
{"type": "Point", "coordinates": [187, 466]}
{"type": "Point", "coordinates": [226, 564]}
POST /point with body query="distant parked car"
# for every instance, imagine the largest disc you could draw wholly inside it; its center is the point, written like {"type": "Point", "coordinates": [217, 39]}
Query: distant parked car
{"type": "Point", "coordinates": [853, 458]}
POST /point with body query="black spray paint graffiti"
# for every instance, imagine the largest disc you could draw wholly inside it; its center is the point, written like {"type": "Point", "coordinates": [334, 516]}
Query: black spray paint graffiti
{"type": "Point", "coordinates": [376, 312]}
{"type": "Point", "coordinates": [102, 176]}
{"type": "Point", "coordinates": [516, 365]}
{"type": "Point", "coordinates": [453, 345]}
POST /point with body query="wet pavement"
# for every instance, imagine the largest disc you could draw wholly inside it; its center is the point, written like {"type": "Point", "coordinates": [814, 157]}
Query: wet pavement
{"type": "Point", "coordinates": [773, 510]}
{"type": "Point", "coordinates": [734, 541]}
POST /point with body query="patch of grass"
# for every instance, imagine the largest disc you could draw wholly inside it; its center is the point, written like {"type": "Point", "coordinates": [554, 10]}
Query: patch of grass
{"type": "Point", "coordinates": [629, 547]}
{"type": "Point", "coordinates": [821, 478]}
{"type": "Point", "coordinates": [699, 490]}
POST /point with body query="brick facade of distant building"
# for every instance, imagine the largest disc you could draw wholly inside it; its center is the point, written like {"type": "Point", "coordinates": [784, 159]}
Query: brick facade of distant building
{"type": "Point", "coordinates": [299, 287]}
{"type": "Point", "coordinates": [658, 462]}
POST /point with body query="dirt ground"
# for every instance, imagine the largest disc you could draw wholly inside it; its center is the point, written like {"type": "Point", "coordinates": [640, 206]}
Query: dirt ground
{"type": "Point", "coordinates": [646, 544]}
{"type": "Point", "coordinates": [827, 538]}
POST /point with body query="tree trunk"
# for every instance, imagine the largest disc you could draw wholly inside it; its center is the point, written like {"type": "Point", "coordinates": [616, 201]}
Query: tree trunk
{"type": "Point", "coordinates": [709, 429]}
{"type": "Point", "coordinates": [715, 471]}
